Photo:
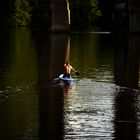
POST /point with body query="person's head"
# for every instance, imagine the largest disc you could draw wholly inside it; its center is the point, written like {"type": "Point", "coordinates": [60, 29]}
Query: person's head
{"type": "Point", "coordinates": [67, 63]}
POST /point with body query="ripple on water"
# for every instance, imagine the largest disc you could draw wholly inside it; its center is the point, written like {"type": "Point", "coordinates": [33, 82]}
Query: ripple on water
{"type": "Point", "coordinates": [9, 92]}
{"type": "Point", "coordinates": [89, 110]}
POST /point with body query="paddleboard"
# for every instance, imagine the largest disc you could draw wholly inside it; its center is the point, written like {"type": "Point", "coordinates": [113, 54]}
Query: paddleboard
{"type": "Point", "coordinates": [66, 80]}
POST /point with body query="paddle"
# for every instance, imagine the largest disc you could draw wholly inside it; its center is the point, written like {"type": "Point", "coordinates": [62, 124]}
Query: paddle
{"type": "Point", "coordinates": [76, 72]}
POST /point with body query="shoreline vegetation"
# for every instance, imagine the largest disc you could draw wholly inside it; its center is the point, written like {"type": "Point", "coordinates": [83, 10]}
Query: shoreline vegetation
{"type": "Point", "coordinates": [52, 16]}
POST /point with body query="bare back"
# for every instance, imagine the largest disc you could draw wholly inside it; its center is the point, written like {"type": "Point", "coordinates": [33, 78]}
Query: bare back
{"type": "Point", "coordinates": [67, 68]}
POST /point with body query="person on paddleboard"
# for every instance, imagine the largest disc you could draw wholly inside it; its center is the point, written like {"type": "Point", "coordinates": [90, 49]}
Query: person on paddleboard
{"type": "Point", "coordinates": [67, 70]}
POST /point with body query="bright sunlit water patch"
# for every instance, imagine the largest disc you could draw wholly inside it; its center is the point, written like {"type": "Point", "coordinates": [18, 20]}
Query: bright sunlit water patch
{"type": "Point", "coordinates": [89, 110]}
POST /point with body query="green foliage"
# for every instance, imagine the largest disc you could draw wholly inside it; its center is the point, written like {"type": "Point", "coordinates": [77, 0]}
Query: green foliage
{"type": "Point", "coordinates": [94, 11]}
{"type": "Point", "coordinates": [25, 12]}
{"type": "Point", "coordinates": [85, 11]}
{"type": "Point", "coordinates": [21, 13]}
{"type": "Point", "coordinates": [38, 12]}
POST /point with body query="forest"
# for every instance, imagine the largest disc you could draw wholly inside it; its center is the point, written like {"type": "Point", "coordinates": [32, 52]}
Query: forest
{"type": "Point", "coordinates": [38, 12]}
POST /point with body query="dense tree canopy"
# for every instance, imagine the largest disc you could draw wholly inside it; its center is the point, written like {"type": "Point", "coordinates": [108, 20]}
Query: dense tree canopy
{"type": "Point", "coordinates": [38, 12]}
{"type": "Point", "coordinates": [15, 13]}
{"type": "Point", "coordinates": [84, 11]}
{"type": "Point", "coordinates": [24, 12]}
{"type": "Point", "coordinates": [20, 13]}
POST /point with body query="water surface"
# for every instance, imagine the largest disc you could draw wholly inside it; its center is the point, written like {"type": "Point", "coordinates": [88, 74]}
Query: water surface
{"type": "Point", "coordinates": [103, 103]}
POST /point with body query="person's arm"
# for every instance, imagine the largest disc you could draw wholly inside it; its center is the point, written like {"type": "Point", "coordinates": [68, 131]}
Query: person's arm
{"type": "Point", "coordinates": [77, 73]}
{"type": "Point", "coordinates": [73, 69]}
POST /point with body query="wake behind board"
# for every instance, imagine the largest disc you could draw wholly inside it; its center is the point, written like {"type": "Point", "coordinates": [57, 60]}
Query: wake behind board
{"type": "Point", "coordinates": [65, 79]}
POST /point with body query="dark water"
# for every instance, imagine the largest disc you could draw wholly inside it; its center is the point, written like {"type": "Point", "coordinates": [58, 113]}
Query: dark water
{"type": "Point", "coordinates": [103, 103]}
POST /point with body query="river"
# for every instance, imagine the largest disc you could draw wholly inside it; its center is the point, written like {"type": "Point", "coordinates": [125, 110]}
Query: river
{"type": "Point", "coordinates": [102, 104]}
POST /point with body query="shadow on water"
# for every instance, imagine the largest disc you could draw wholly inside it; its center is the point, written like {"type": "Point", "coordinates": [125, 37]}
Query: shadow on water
{"type": "Point", "coordinates": [126, 60]}
{"type": "Point", "coordinates": [126, 75]}
{"type": "Point", "coordinates": [31, 108]}
{"type": "Point", "coordinates": [50, 63]}
{"type": "Point", "coordinates": [18, 97]}
{"type": "Point", "coordinates": [126, 121]}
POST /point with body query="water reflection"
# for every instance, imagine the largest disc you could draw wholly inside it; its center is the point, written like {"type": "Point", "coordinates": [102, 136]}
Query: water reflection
{"type": "Point", "coordinates": [127, 56]}
{"type": "Point", "coordinates": [93, 55]}
{"type": "Point", "coordinates": [101, 104]}
{"type": "Point", "coordinates": [29, 63]}
{"type": "Point", "coordinates": [126, 114]}
{"type": "Point", "coordinates": [50, 64]}
{"type": "Point", "coordinates": [126, 74]}
{"type": "Point", "coordinates": [89, 112]}
{"type": "Point", "coordinates": [18, 98]}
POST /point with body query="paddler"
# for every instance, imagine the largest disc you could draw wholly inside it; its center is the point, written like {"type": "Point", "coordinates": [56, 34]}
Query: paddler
{"type": "Point", "coordinates": [67, 70]}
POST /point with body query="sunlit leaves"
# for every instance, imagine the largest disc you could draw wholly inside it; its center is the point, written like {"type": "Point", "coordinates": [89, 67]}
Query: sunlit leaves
{"type": "Point", "coordinates": [21, 13]}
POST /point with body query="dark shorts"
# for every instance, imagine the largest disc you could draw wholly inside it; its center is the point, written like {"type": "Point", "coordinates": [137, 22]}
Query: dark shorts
{"type": "Point", "coordinates": [66, 75]}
